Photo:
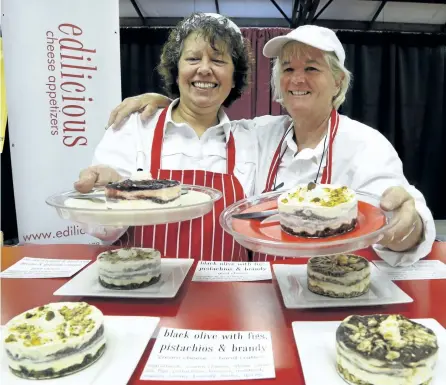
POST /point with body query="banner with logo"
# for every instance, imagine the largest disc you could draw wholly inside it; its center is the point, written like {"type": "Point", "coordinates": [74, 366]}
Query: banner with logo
{"type": "Point", "coordinates": [62, 72]}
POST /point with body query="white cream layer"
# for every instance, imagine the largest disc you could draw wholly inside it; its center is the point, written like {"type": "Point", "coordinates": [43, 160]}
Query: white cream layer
{"type": "Point", "coordinates": [341, 289]}
{"type": "Point", "coordinates": [369, 371]}
{"type": "Point", "coordinates": [346, 279]}
{"type": "Point", "coordinates": [140, 204]}
{"type": "Point", "coordinates": [288, 204]}
{"type": "Point", "coordinates": [49, 331]}
{"type": "Point", "coordinates": [59, 364]}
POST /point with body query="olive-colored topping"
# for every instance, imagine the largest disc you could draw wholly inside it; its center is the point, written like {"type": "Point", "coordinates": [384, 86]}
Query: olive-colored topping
{"type": "Point", "coordinates": [41, 308]}
{"type": "Point", "coordinates": [29, 315]}
{"type": "Point", "coordinates": [11, 338]}
{"type": "Point", "coordinates": [311, 186]}
{"type": "Point", "coordinates": [50, 315]}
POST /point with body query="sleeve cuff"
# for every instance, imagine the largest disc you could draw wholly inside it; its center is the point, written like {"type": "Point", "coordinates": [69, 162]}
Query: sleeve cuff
{"type": "Point", "coordinates": [409, 257]}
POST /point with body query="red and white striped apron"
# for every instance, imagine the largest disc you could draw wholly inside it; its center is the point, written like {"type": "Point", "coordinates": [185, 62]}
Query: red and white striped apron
{"type": "Point", "coordinates": [326, 173]}
{"type": "Point", "coordinates": [201, 238]}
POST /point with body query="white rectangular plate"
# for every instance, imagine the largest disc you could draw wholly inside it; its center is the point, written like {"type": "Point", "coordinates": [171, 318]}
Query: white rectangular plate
{"type": "Point", "coordinates": [127, 338]}
{"type": "Point", "coordinates": [322, 370]}
{"type": "Point", "coordinates": [86, 283]}
{"type": "Point", "coordinates": [292, 281]}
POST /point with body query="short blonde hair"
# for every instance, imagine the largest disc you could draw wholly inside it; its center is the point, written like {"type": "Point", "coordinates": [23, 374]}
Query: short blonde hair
{"type": "Point", "coordinates": [337, 70]}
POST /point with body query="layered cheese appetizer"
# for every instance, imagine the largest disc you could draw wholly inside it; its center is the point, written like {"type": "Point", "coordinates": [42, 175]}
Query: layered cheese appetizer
{"type": "Point", "coordinates": [54, 340]}
{"type": "Point", "coordinates": [129, 268]}
{"type": "Point", "coordinates": [143, 194]}
{"type": "Point", "coordinates": [318, 210]}
{"type": "Point", "coordinates": [385, 350]}
{"type": "Point", "coordinates": [338, 276]}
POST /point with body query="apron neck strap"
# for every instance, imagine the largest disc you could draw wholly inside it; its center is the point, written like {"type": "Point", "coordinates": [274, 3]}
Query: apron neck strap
{"type": "Point", "coordinates": [157, 145]}
{"type": "Point", "coordinates": [278, 155]}
{"type": "Point", "coordinates": [334, 124]}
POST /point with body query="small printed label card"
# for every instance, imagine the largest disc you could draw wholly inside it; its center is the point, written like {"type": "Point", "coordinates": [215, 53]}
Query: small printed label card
{"type": "Point", "coordinates": [204, 355]}
{"type": "Point", "coordinates": [211, 271]}
{"type": "Point", "coordinates": [29, 267]}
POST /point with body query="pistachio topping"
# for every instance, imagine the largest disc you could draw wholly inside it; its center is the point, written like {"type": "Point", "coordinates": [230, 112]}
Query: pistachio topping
{"type": "Point", "coordinates": [330, 197]}
{"type": "Point", "coordinates": [11, 338]}
{"type": "Point", "coordinates": [32, 328]}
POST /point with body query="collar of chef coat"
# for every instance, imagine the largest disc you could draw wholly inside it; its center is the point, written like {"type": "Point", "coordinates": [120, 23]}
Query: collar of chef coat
{"type": "Point", "coordinates": [315, 154]}
{"type": "Point", "coordinates": [223, 124]}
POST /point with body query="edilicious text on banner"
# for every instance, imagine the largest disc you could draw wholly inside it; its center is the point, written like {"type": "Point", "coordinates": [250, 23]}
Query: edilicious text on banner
{"type": "Point", "coordinates": [62, 69]}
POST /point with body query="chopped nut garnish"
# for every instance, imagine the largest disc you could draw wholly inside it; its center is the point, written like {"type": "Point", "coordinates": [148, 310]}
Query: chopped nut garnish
{"type": "Point", "coordinates": [11, 338]}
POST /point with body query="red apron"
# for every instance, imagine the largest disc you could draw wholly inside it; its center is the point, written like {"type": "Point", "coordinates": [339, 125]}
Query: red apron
{"type": "Point", "coordinates": [201, 238]}
{"type": "Point", "coordinates": [326, 173]}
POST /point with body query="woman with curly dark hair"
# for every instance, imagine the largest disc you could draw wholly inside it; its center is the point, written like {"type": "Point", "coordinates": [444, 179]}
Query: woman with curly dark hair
{"type": "Point", "coordinates": [205, 65]}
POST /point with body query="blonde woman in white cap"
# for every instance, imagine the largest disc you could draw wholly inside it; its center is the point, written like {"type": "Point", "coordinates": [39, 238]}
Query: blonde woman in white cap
{"type": "Point", "coordinates": [204, 65]}
{"type": "Point", "coordinates": [316, 143]}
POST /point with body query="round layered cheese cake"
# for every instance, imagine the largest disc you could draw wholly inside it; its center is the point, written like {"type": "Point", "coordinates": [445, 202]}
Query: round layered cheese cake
{"type": "Point", "coordinates": [143, 194]}
{"type": "Point", "coordinates": [54, 340]}
{"type": "Point", "coordinates": [385, 350]}
{"type": "Point", "coordinates": [339, 276]}
{"type": "Point", "coordinates": [129, 268]}
{"type": "Point", "coordinates": [318, 210]}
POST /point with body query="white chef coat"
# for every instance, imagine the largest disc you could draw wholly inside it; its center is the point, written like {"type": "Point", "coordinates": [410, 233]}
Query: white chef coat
{"type": "Point", "coordinates": [182, 148]}
{"type": "Point", "coordinates": [363, 159]}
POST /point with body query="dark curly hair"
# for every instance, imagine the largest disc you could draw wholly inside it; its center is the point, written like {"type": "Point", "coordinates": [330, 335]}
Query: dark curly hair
{"type": "Point", "coordinates": [214, 31]}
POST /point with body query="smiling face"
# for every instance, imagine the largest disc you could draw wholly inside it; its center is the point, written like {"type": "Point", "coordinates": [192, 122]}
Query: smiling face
{"type": "Point", "coordinates": [306, 81]}
{"type": "Point", "coordinates": [205, 74]}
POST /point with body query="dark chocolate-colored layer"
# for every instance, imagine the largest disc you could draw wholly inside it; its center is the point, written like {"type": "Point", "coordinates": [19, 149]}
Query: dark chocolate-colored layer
{"type": "Point", "coordinates": [409, 354]}
{"type": "Point", "coordinates": [50, 373]}
{"type": "Point", "coordinates": [115, 198]}
{"type": "Point", "coordinates": [332, 294]}
{"type": "Point", "coordinates": [345, 228]}
{"type": "Point", "coordinates": [149, 184]}
{"type": "Point", "coordinates": [130, 286]}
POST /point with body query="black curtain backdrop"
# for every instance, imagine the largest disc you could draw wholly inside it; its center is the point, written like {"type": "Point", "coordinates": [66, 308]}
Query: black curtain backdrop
{"type": "Point", "coordinates": [399, 88]}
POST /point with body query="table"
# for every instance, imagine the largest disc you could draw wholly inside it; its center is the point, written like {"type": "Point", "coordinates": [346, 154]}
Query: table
{"type": "Point", "coordinates": [215, 306]}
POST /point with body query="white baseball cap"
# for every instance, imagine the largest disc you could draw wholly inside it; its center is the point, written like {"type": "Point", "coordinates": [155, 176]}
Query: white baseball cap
{"type": "Point", "coordinates": [318, 37]}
